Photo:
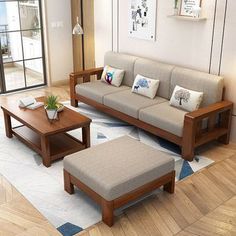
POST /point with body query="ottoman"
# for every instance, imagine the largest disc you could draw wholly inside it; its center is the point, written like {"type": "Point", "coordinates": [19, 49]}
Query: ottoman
{"type": "Point", "coordinates": [117, 172]}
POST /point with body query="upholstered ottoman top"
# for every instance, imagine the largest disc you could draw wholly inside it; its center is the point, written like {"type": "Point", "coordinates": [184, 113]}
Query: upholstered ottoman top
{"type": "Point", "coordinates": [117, 167]}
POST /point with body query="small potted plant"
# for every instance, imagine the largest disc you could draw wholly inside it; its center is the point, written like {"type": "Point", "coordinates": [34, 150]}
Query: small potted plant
{"type": "Point", "coordinates": [51, 107]}
{"type": "Point", "coordinates": [176, 10]}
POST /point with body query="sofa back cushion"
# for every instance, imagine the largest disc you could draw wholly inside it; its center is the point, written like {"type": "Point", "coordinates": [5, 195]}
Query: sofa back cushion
{"type": "Point", "coordinates": [210, 85]}
{"type": "Point", "coordinates": [155, 70]}
{"type": "Point", "coordinates": [124, 62]}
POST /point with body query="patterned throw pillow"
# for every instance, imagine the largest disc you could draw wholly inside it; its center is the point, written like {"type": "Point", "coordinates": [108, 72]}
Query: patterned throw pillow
{"type": "Point", "coordinates": [186, 99]}
{"type": "Point", "coordinates": [145, 86]}
{"type": "Point", "coordinates": [112, 76]}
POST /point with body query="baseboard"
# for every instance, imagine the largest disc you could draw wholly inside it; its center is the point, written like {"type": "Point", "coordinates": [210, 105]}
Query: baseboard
{"type": "Point", "coordinates": [60, 82]}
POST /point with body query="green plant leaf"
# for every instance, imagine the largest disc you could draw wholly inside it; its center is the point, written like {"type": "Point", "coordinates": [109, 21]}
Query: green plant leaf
{"type": "Point", "coordinates": [51, 102]}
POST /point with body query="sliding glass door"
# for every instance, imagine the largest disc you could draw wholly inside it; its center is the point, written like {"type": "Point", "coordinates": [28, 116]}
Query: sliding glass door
{"type": "Point", "coordinates": [21, 45]}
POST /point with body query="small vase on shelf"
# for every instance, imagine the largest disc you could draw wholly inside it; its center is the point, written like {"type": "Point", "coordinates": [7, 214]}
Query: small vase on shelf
{"type": "Point", "coordinates": [196, 12]}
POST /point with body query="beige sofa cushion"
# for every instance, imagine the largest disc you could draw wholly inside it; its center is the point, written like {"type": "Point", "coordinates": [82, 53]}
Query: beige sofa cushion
{"type": "Point", "coordinates": [164, 117]}
{"type": "Point", "coordinates": [97, 90]}
{"type": "Point", "coordinates": [124, 62]}
{"type": "Point", "coordinates": [130, 103]}
{"type": "Point", "coordinates": [210, 85]}
{"type": "Point", "coordinates": [155, 70]}
{"type": "Point", "coordinates": [117, 167]}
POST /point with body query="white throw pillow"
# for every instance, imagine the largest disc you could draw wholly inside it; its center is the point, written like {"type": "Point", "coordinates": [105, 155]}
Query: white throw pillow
{"type": "Point", "coordinates": [186, 99]}
{"type": "Point", "coordinates": [112, 76]}
{"type": "Point", "coordinates": [145, 86]}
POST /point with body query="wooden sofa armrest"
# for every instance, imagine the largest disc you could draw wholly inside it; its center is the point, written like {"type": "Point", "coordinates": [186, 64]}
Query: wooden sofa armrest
{"type": "Point", "coordinates": [218, 123]}
{"type": "Point", "coordinates": [210, 110]}
{"type": "Point", "coordinates": [85, 75]}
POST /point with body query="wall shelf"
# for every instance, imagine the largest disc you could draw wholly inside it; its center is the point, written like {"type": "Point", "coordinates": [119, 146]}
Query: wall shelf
{"type": "Point", "coordinates": [28, 4]}
{"type": "Point", "coordinates": [187, 18]}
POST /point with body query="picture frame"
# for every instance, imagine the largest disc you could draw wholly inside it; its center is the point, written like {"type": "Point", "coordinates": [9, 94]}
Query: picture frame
{"type": "Point", "coordinates": [142, 19]}
{"type": "Point", "coordinates": [186, 7]}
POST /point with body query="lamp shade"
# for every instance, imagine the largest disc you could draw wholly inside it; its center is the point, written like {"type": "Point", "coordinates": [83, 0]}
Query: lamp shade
{"type": "Point", "coordinates": [78, 30]}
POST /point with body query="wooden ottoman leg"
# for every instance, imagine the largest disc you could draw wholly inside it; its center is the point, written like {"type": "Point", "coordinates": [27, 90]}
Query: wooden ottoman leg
{"type": "Point", "coordinates": [107, 212]}
{"type": "Point", "coordinates": [170, 186]}
{"type": "Point", "coordinates": [68, 186]}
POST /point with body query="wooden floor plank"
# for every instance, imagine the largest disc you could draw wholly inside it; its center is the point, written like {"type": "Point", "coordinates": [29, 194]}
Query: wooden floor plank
{"type": "Point", "coordinates": [179, 219]}
{"type": "Point", "coordinates": [94, 231]}
{"type": "Point", "coordinates": [147, 221]}
{"type": "Point", "coordinates": [185, 233]}
{"type": "Point", "coordinates": [209, 197]}
{"type": "Point", "coordinates": [220, 224]}
{"type": "Point", "coordinates": [158, 221]}
{"type": "Point", "coordinates": [136, 223]}
{"type": "Point", "coordinates": [203, 229]}
{"type": "Point", "coordinates": [7, 191]}
{"type": "Point", "coordinates": [224, 177]}
{"type": "Point", "coordinates": [190, 206]}
{"type": "Point", "coordinates": [166, 216]}
{"type": "Point", "coordinates": [136, 220]}
{"type": "Point", "coordinates": [117, 229]}
{"type": "Point", "coordinates": [104, 230]}
{"type": "Point", "coordinates": [224, 188]}
{"type": "Point", "coordinates": [188, 188]}
{"type": "Point", "coordinates": [127, 227]}
{"type": "Point", "coordinates": [221, 215]}
{"type": "Point", "coordinates": [213, 187]}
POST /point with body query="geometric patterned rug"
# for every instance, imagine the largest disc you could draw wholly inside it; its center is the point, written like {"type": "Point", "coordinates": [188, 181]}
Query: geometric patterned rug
{"type": "Point", "coordinates": [43, 187]}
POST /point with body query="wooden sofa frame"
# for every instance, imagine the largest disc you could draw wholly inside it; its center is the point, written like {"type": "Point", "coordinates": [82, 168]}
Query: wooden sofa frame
{"type": "Point", "coordinates": [218, 117]}
{"type": "Point", "coordinates": [108, 207]}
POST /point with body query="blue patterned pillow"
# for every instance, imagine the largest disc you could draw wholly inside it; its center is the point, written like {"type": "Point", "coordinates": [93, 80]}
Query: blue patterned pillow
{"type": "Point", "coordinates": [145, 86]}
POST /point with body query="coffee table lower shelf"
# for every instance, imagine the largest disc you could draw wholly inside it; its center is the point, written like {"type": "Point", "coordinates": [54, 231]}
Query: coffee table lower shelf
{"type": "Point", "coordinates": [60, 145]}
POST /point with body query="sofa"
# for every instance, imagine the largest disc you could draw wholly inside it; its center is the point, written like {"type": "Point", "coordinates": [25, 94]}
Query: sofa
{"type": "Point", "coordinates": [189, 130]}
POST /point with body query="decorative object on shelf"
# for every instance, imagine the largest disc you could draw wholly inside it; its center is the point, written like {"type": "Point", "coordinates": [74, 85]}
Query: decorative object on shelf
{"type": "Point", "coordinates": [142, 19]}
{"type": "Point", "coordinates": [51, 107]}
{"type": "Point", "coordinates": [187, 7]}
{"type": "Point", "coordinates": [196, 11]}
{"type": "Point", "coordinates": [176, 8]}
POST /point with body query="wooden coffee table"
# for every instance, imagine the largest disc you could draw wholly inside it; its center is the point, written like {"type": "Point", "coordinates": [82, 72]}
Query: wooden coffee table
{"type": "Point", "coordinates": [49, 140]}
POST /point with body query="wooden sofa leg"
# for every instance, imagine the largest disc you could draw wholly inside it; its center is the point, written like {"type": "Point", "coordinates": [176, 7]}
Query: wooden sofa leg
{"type": "Point", "coordinates": [189, 136]}
{"type": "Point", "coordinates": [188, 153]}
{"type": "Point", "coordinates": [74, 102]}
{"type": "Point", "coordinates": [107, 212]}
{"type": "Point", "coordinates": [68, 186]}
{"type": "Point", "coordinates": [170, 187]}
{"type": "Point", "coordinates": [224, 139]}
{"type": "Point", "coordinates": [226, 119]}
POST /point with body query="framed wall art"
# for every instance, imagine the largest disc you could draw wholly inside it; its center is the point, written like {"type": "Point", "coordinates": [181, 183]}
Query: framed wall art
{"type": "Point", "coordinates": [187, 7]}
{"type": "Point", "coordinates": [142, 19]}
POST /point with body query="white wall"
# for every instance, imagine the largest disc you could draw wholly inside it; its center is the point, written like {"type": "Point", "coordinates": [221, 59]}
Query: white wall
{"type": "Point", "coordinates": [59, 39]}
{"type": "Point", "coordinates": [177, 42]}
{"type": "Point", "coordinates": [183, 43]}
{"type": "Point", "coordinates": [228, 65]}
{"type": "Point", "coordinates": [103, 29]}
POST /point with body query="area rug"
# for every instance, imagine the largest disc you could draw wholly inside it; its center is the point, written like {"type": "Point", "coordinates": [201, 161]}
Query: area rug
{"type": "Point", "coordinates": [43, 187]}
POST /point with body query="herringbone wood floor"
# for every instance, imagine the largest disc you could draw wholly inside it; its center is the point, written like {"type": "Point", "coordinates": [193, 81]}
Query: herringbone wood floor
{"type": "Point", "coordinates": [203, 204]}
